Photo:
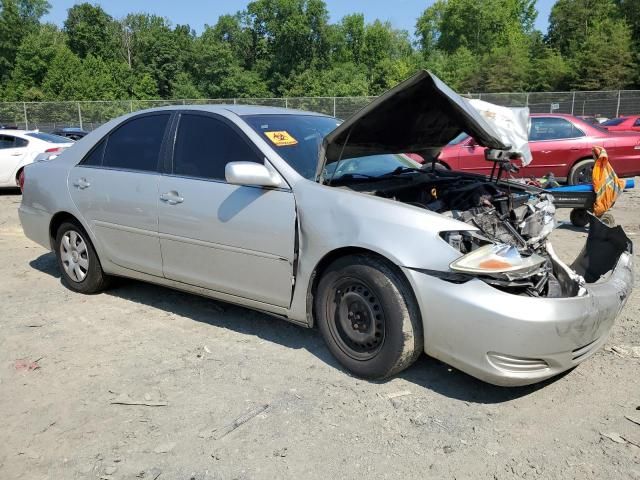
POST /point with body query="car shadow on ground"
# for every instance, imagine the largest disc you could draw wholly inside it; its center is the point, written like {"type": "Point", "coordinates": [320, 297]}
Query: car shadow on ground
{"type": "Point", "coordinates": [427, 372]}
{"type": "Point", "coordinates": [10, 191]}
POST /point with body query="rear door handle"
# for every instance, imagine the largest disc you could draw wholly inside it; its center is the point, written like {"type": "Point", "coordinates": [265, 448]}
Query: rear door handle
{"type": "Point", "coordinates": [546, 151]}
{"type": "Point", "coordinates": [16, 154]}
{"type": "Point", "coordinates": [172, 198]}
{"type": "Point", "coordinates": [81, 183]}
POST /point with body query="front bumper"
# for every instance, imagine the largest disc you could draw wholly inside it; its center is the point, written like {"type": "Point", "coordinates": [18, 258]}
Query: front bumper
{"type": "Point", "coordinates": [514, 340]}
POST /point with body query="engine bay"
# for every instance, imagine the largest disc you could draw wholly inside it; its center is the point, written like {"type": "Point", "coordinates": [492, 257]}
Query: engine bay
{"type": "Point", "coordinates": [505, 213]}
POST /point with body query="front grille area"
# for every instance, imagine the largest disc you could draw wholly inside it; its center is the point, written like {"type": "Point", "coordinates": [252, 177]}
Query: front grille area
{"type": "Point", "coordinates": [583, 351]}
{"type": "Point", "coordinates": [511, 363]}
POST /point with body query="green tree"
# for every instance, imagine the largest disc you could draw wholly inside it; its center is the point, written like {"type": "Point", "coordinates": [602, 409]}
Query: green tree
{"type": "Point", "coordinates": [596, 41]}
{"type": "Point", "coordinates": [18, 18]}
{"type": "Point", "coordinates": [33, 59]}
{"type": "Point", "coordinates": [477, 26]}
{"type": "Point", "coordinates": [606, 59]}
{"type": "Point", "coordinates": [572, 22]}
{"type": "Point", "coordinates": [460, 69]}
{"type": "Point", "coordinates": [288, 36]}
{"type": "Point", "coordinates": [62, 81]}
{"type": "Point", "coordinates": [144, 87]}
{"type": "Point", "coordinates": [90, 31]}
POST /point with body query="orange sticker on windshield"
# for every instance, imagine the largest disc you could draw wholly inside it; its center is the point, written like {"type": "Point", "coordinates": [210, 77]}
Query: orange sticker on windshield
{"type": "Point", "coordinates": [281, 139]}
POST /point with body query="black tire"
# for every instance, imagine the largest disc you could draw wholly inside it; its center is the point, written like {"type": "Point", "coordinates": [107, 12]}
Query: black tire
{"type": "Point", "coordinates": [368, 316]}
{"type": "Point", "coordinates": [20, 179]}
{"type": "Point", "coordinates": [581, 172]}
{"type": "Point", "coordinates": [579, 217]}
{"type": "Point", "coordinates": [92, 279]}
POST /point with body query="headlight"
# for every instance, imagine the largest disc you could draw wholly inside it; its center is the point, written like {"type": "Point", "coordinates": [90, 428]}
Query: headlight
{"type": "Point", "coordinates": [498, 259]}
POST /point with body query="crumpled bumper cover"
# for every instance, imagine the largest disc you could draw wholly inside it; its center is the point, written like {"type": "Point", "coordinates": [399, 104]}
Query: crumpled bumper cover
{"type": "Point", "coordinates": [514, 340]}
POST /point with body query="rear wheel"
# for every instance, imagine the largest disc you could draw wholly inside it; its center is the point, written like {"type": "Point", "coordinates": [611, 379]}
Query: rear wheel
{"type": "Point", "coordinates": [368, 316]}
{"type": "Point", "coordinates": [20, 179]}
{"type": "Point", "coordinates": [78, 261]}
{"type": "Point", "coordinates": [581, 172]}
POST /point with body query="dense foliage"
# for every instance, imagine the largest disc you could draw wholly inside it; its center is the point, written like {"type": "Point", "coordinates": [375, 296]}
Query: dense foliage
{"type": "Point", "coordinates": [289, 48]}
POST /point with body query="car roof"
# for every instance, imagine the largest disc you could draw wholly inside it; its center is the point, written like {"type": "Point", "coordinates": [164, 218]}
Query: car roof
{"type": "Point", "coordinates": [240, 110]}
{"type": "Point", "coordinates": [562, 115]}
{"type": "Point", "coordinates": [15, 132]}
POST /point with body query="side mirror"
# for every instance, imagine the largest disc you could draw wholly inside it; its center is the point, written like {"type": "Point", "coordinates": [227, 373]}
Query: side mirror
{"type": "Point", "coordinates": [251, 173]}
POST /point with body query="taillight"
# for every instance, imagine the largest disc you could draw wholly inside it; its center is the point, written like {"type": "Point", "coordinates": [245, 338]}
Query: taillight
{"type": "Point", "coordinates": [53, 150]}
{"type": "Point", "coordinates": [21, 180]}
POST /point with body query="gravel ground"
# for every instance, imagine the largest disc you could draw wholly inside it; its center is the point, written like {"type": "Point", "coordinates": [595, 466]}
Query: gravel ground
{"type": "Point", "coordinates": [199, 368]}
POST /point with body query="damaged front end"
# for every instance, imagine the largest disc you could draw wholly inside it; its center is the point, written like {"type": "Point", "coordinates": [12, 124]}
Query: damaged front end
{"type": "Point", "coordinates": [507, 243]}
{"type": "Point", "coordinates": [512, 251]}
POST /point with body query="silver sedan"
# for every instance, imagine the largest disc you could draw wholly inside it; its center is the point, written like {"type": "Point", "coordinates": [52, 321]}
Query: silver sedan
{"type": "Point", "coordinates": [328, 225]}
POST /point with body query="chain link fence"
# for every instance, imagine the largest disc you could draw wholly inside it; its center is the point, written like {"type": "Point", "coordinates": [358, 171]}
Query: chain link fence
{"type": "Point", "coordinates": [48, 116]}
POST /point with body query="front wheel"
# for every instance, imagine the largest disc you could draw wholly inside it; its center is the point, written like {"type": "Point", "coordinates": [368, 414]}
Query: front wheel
{"type": "Point", "coordinates": [368, 316]}
{"type": "Point", "coordinates": [78, 261]}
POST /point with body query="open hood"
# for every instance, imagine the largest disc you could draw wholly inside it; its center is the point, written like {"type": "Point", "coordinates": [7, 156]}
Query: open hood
{"type": "Point", "coordinates": [420, 115]}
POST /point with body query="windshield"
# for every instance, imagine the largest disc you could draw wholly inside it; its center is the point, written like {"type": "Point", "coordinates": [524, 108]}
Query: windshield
{"type": "Point", "coordinates": [47, 137]}
{"type": "Point", "coordinates": [298, 138]}
{"type": "Point", "coordinates": [372, 166]}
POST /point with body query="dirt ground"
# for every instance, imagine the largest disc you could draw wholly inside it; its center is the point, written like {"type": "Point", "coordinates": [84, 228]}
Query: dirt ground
{"type": "Point", "coordinates": [70, 363]}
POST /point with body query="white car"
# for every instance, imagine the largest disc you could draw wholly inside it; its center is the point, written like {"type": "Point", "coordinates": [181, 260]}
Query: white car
{"type": "Point", "coordinates": [22, 147]}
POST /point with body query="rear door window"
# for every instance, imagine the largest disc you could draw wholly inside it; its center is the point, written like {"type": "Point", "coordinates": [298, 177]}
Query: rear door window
{"type": "Point", "coordinates": [553, 128]}
{"type": "Point", "coordinates": [136, 144]}
{"type": "Point", "coordinates": [9, 141]}
{"type": "Point", "coordinates": [204, 145]}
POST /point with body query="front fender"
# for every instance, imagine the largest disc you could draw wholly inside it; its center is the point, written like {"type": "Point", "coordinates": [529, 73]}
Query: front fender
{"type": "Point", "coordinates": [334, 218]}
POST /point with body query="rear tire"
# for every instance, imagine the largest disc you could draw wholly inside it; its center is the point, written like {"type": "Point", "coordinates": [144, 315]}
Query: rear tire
{"type": "Point", "coordinates": [20, 179]}
{"type": "Point", "coordinates": [79, 264]}
{"type": "Point", "coordinates": [581, 172]}
{"type": "Point", "coordinates": [368, 316]}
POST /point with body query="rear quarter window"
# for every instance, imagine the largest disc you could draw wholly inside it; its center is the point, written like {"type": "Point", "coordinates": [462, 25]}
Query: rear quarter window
{"type": "Point", "coordinates": [614, 122]}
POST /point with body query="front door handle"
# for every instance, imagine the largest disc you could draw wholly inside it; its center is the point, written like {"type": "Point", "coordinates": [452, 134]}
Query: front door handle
{"type": "Point", "coordinates": [172, 198]}
{"type": "Point", "coordinates": [81, 183]}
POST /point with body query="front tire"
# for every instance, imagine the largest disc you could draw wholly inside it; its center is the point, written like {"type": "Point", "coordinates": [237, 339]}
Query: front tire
{"type": "Point", "coordinates": [368, 316]}
{"type": "Point", "coordinates": [78, 261]}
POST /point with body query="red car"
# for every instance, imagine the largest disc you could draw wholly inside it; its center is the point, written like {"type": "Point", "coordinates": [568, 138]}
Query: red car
{"type": "Point", "coordinates": [560, 144]}
{"type": "Point", "coordinates": [623, 124]}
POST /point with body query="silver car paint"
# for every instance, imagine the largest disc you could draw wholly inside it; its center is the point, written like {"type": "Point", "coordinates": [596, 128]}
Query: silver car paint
{"type": "Point", "coordinates": [462, 323]}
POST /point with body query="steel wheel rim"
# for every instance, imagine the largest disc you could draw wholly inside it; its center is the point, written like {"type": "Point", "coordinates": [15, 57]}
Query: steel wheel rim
{"type": "Point", "coordinates": [356, 319]}
{"type": "Point", "coordinates": [585, 174]}
{"type": "Point", "coordinates": [74, 256]}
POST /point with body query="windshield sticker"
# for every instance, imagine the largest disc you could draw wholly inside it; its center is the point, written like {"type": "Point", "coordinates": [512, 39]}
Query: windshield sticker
{"type": "Point", "coordinates": [281, 139]}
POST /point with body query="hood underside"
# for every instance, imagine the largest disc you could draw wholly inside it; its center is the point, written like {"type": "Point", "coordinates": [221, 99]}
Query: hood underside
{"type": "Point", "coordinates": [420, 115]}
